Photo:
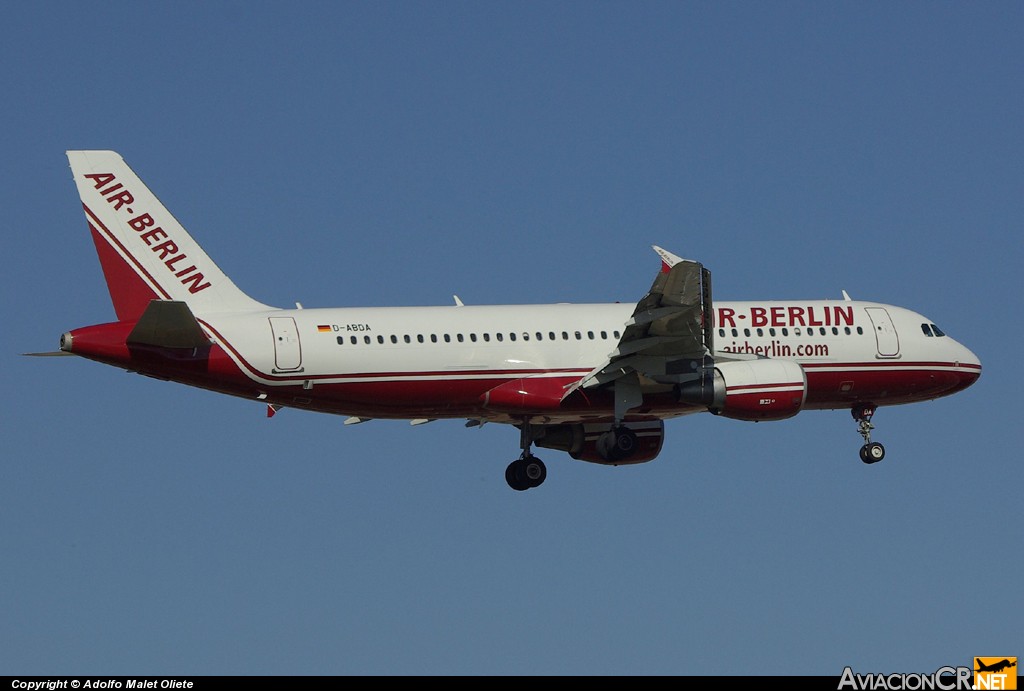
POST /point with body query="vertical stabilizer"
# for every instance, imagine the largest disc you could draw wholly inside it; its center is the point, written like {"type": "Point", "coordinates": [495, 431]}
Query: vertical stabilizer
{"type": "Point", "coordinates": [145, 253]}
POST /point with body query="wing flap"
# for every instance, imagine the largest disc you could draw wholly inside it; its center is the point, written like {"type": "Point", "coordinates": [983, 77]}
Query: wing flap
{"type": "Point", "coordinates": [669, 337]}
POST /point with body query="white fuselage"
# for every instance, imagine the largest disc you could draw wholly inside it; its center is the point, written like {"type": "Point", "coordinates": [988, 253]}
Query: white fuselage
{"type": "Point", "coordinates": [850, 350]}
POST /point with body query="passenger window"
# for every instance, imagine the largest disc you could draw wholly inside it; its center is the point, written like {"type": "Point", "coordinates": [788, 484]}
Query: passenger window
{"type": "Point", "coordinates": [771, 332]}
{"type": "Point", "coordinates": [458, 337]}
{"type": "Point", "coordinates": [590, 335]}
{"type": "Point", "coordinates": [847, 330]}
{"type": "Point", "coordinates": [735, 333]}
{"type": "Point", "coordinates": [433, 338]}
{"type": "Point", "coordinates": [407, 339]}
{"type": "Point", "coordinates": [785, 331]}
{"type": "Point", "coordinates": [796, 331]}
{"type": "Point", "coordinates": [341, 340]}
{"type": "Point", "coordinates": [394, 338]}
{"type": "Point", "coordinates": [565, 335]}
{"type": "Point", "coordinates": [353, 340]}
{"type": "Point", "coordinates": [835, 330]}
{"type": "Point", "coordinates": [419, 337]}
{"type": "Point", "coordinates": [380, 339]}
{"type": "Point", "coordinates": [822, 331]}
{"type": "Point", "coordinates": [760, 332]}
{"type": "Point", "coordinates": [721, 333]}
{"type": "Point", "coordinates": [579, 336]}
{"type": "Point", "coordinates": [447, 338]}
{"type": "Point", "coordinates": [746, 332]}
{"type": "Point", "coordinates": [487, 337]}
{"type": "Point", "coordinates": [604, 335]}
{"type": "Point", "coordinates": [860, 331]}
{"type": "Point", "coordinates": [499, 336]}
{"type": "Point", "coordinates": [551, 335]}
{"type": "Point", "coordinates": [472, 337]}
{"type": "Point", "coordinates": [366, 340]}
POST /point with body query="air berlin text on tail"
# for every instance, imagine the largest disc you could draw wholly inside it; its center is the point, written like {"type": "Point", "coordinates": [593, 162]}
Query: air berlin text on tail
{"type": "Point", "coordinates": [117, 196]}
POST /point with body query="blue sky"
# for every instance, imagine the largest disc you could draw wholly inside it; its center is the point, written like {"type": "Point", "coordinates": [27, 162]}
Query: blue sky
{"type": "Point", "coordinates": [344, 154]}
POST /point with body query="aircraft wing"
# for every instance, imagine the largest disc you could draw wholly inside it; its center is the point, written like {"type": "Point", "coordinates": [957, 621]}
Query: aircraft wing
{"type": "Point", "coordinates": [669, 338]}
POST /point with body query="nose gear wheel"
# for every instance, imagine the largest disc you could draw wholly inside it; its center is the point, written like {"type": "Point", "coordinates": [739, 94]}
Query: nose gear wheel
{"type": "Point", "coordinates": [872, 451]}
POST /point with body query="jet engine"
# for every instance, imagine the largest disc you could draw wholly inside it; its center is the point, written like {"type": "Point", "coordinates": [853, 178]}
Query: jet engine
{"type": "Point", "coordinates": [629, 443]}
{"type": "Point", "coordinates": [764, 389]}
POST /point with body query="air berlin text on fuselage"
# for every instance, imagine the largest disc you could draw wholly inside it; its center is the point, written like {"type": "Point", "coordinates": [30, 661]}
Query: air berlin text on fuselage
{"type": "Point", "coordinates": [176, 261]}
{"type": "Point", "coordinates": [811, 315]}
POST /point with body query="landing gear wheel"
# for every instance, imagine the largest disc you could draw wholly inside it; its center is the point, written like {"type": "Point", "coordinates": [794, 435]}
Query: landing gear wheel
{"type": "Point", "coordinates": [534, 470]}
{"type": "Point", "coordinates": [872, 452]}
{"type": "Point", "coordinates": [525, 473]}
{"type": "Point", "coordinates": [511, 477]}
{"type": "Point", "coordinates": [617, 444]}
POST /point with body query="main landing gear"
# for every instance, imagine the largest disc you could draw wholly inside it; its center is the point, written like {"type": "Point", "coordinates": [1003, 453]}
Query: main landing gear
{"type": "Point", "coordinates": [527, 471]}
{"type": "Point", "coordinates": [872, 451]}
{"type": "Point", "coordinates": [617, 443]}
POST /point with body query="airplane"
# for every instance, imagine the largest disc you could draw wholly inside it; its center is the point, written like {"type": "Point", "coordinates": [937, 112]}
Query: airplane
{"type": "Point", "coordinates": [597, 381]}
{"type": "Point", "coordinates": [995, 667]}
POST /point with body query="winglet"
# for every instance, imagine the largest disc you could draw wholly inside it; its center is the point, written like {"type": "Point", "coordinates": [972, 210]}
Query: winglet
{"type": "Point", "coordinates": [668, 260]}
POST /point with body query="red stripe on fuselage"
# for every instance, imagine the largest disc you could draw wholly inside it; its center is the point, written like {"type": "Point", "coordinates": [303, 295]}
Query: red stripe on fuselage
{"type": "Point", "coordinates": [750, 388]}
{"type": "Point", "coordinates": [887, 385]}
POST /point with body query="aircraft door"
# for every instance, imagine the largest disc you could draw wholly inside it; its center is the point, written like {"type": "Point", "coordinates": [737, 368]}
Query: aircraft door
{"type": "Point", "coordinates": [885, 333]}
{"type": "Point", "coordinates": [287, 350]}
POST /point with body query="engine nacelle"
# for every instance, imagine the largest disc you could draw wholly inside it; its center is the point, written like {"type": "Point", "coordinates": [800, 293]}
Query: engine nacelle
{"type": "Point", "coordinates": [764, 389]}
{"type": "Point", "coordinates": [637, 442]}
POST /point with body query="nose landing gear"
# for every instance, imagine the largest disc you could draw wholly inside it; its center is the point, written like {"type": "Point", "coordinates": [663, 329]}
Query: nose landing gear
{"type": "Point", "coordinates": [872, 451]}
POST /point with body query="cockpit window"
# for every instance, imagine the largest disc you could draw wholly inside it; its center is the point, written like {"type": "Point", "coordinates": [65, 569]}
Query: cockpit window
{"type": "Point", "coordinates": [937, 330]}
{"type": "Point", "coordinates": [927, 330]}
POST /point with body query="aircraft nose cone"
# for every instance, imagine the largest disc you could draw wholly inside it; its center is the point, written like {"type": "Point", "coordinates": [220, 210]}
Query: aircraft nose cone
{"type": "Point", "coordinates": [968, 366]}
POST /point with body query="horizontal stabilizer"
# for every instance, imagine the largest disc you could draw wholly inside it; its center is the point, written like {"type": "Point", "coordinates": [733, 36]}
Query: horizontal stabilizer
{"type": "Point", "coordinates": [168, 324]}
{"type": "Point", "coordinates": [53, 353]}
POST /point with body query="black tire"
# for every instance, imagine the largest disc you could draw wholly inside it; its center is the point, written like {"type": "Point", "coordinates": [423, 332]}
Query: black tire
{"type": "Point", "coordinates": [872, 453]}
{"type": "Point", "coordinates": [515, 476]}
